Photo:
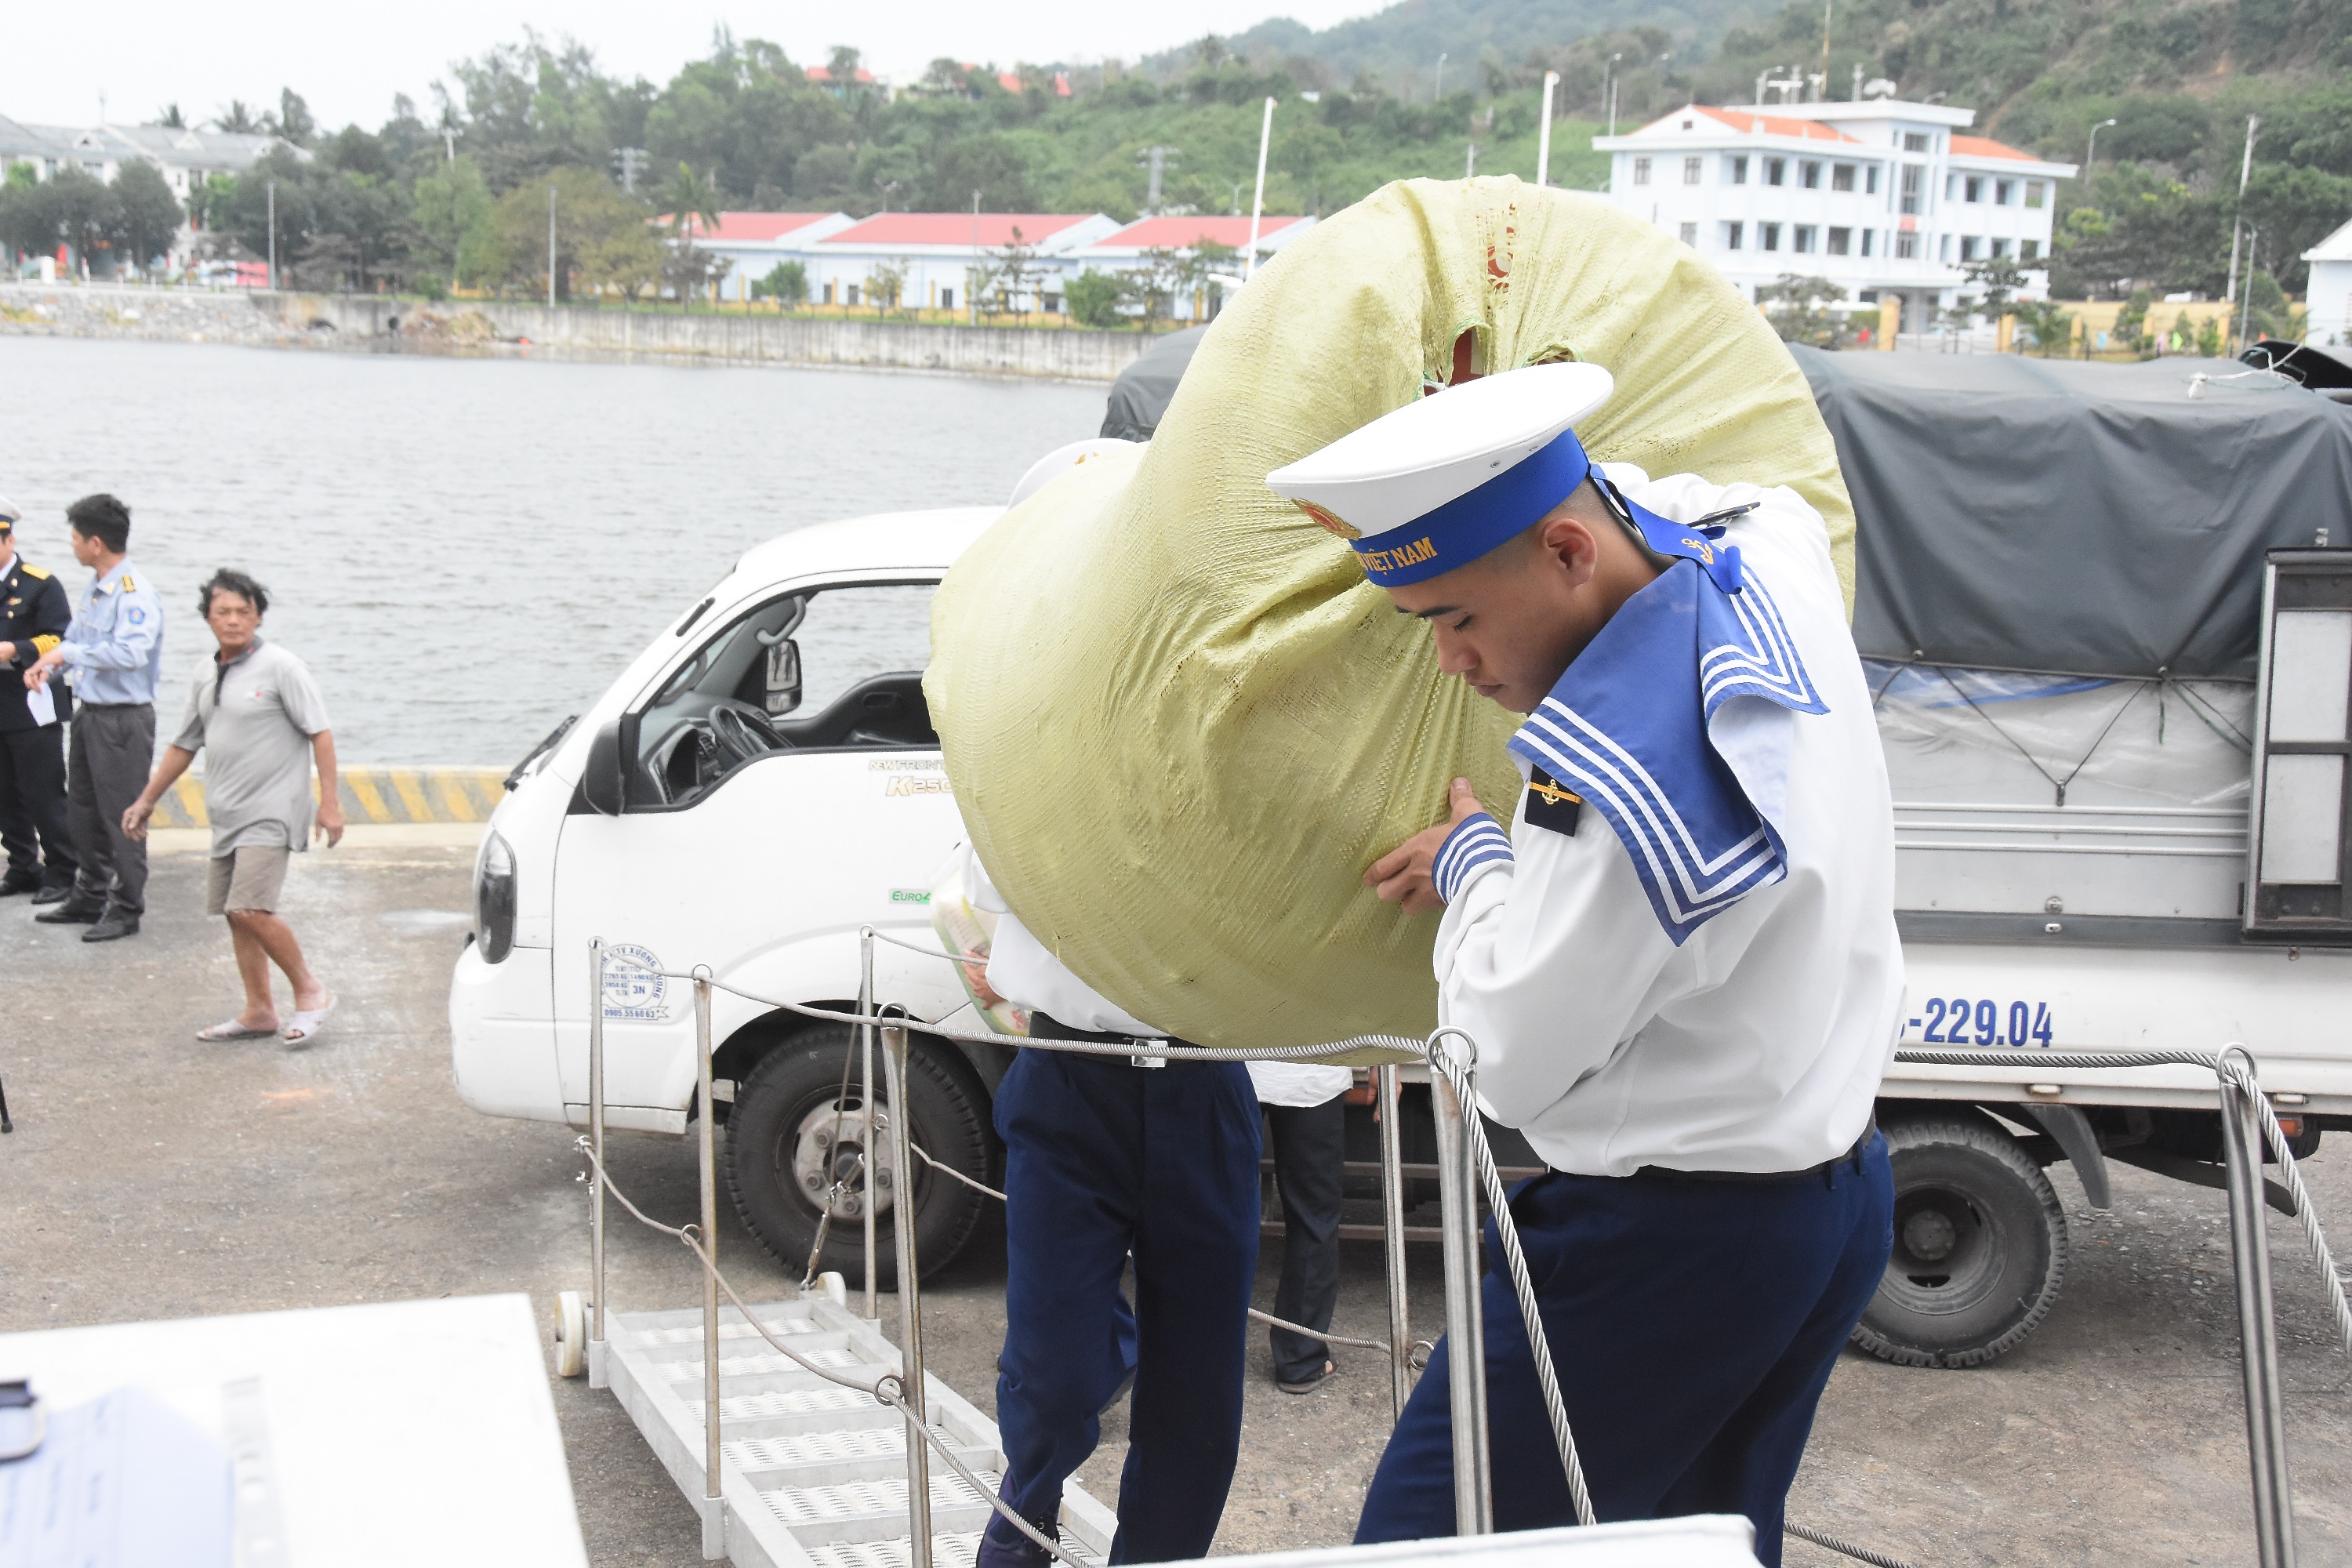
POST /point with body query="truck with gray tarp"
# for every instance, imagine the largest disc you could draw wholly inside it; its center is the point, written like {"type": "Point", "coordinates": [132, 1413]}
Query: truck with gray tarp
{"type": "Point", "coordinates": [2106, 614]}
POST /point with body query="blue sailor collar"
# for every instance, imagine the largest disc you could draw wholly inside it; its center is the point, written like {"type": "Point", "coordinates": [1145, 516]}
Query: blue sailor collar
{"type": "Point", "coordinates": [1628, 727]}
{"type": "Point", "coordinates": [1683, 541]}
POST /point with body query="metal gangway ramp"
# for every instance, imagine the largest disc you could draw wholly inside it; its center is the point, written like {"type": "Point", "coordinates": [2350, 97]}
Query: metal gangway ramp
{"type": "Point", "coordinates": [814, 1474]}
{"type": "Point", "coordinates": [809, 1416]}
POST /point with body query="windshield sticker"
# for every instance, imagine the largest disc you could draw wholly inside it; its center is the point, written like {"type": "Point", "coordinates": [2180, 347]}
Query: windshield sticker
{"type": "Point", "coordinates": [632, 988]}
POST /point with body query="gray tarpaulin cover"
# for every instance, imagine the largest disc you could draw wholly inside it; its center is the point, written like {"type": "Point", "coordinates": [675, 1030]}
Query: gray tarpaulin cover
{"type": "Point", "coordinates": [1140, 397]}
{"type": "Point", "coordinates": [2092, 519]}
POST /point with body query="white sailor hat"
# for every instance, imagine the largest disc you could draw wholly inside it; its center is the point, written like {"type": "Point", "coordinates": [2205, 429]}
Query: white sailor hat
{"type": "Point", "coordinates": [9, 516]}
{"type": "Point", "coordinates": [1440, 482]}
{"type": "Point", "coordinates": [1443, 480]}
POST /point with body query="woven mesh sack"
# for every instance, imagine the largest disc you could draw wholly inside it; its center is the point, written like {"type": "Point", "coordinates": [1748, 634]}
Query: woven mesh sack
{"type": "Point", "coordinates": [1179, 722]}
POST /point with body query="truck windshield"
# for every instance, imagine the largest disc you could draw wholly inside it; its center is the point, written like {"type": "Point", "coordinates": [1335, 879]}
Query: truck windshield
{"type": "Point", "coordinates": [825, 669]}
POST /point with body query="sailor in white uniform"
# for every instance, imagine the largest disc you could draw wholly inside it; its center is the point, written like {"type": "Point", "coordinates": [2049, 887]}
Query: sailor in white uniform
{"type": "Point", "coordinates": [1679, 962]}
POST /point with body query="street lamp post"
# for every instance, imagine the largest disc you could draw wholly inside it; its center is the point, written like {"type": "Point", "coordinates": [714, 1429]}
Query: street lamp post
{"type": "Point", "coordinates": [2091, 151]}
{"type": "Point", "coordinates": [2238, 218]}
{"type": "Point", "coordinates": [1257, 202]}
{"type": "Point", "coordinates": [1543, 136]}
{"type": "Point", "coordinates": [1608, 89]}
{"type": "Point", "coordinates": [1437, 89]}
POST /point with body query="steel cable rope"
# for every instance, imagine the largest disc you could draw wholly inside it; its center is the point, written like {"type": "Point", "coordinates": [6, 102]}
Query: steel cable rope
{"type": "Point", "coordinates": [1323, 1334]}
{"type": "Point", "coordinates": [1846, 1548]}
{"type": "Point", "coordinates": [886, 1390]}
{"type": "Point", "coordinates": [1457, 1076]}
{"type": "Point", "coordinates": [1142, 1047]}
{"type": "Point", "coordinates": [923, 1154]}
{"type": "Point", "coordinates": [836, 1186]}
{"type": "Point", "coordinates": [1489, 1176]}
{"type": "Point", "coordinates": [2234, 1064]}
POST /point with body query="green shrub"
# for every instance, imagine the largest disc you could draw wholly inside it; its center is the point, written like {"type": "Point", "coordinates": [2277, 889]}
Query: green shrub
{"type": "Point", "coordinates": [1095, 298]}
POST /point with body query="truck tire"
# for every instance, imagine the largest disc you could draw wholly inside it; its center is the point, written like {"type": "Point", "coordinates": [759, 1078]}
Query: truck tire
{"type": "Point", "coordinates": [1980, 1245]}
{"type": "Point", "coordinates": [797, 1086]}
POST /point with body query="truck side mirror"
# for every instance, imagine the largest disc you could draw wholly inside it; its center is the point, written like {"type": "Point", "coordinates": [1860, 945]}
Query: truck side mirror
{"type": "Point", "coordinates": [783, 672]}
{"type": "Point", "coordinates": [603, 783]}
{"type": "Point", "coordinates": [2297, 844]}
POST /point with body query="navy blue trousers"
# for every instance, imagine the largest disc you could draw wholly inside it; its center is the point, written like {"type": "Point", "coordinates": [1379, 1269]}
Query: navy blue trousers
{"type": "Point", "coordinates": [1102, 1158]}
{"type": "Point", "coordinates": [1693, 1325]}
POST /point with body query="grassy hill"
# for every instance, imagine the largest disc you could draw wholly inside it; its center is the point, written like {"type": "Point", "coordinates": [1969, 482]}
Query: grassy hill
{"type": "Point", "coordinates": [2180, 78]}
{"type": "Point", "coordinates": [1355, 110]}
{"type": "Point", "coordinates": [1485, 40]}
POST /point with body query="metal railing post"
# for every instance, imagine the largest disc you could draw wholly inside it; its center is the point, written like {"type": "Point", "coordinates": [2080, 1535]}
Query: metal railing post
{"type": "Point", "coordinates": [865, 1159]}
{"type": "Point", "coordinates": [910, 1305]}
{"type": "Point", "coordinates": [2249, 1256]}
{"type": "Point", "coordinates": [1465, 1339]}
{"type": "Point", "coordinates": [1384, 1082]}
{"type": "Point", "coordinates": [596, 1177]}
{"type": "Point", "coordinates": [714, 1511]}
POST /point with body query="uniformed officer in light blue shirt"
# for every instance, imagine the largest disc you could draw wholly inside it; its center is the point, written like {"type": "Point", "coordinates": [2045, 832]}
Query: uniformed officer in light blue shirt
{"type": "Point", "coordinates": [113, 655]}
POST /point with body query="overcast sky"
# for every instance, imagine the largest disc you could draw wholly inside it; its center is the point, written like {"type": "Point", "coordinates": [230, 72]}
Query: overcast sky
{"type": "Point", "coordinates": [143, 54]}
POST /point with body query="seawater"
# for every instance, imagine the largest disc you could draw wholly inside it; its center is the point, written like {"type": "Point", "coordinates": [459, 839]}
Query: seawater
{"type": "Point", "coordinates": [465, 550]}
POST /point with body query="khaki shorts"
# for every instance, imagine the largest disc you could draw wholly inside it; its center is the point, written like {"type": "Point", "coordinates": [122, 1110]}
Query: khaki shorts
{"type": "Point", "coordinates": [247, 879]}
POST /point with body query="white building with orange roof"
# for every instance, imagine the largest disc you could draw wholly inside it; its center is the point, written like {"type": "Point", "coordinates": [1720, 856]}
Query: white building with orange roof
{"type": "Point", "coordinates": [1881, 197]}
{"type": "Point", "coordinates": [752, 244]}
{"type": "Point", "coordinates": [1128, 249]}
{"type": "Point", "coordinates": [937, 254]}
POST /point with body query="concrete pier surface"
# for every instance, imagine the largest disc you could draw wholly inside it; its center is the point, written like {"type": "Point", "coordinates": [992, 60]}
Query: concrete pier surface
{"type": "Point", "coordinates": [151, 1176]}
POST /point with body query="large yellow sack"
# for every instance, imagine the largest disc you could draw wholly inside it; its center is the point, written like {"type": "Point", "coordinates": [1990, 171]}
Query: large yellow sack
{"type": "Point", "coordinates": [1179, 721]}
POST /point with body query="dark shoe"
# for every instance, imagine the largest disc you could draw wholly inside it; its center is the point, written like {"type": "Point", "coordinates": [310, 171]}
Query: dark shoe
{"type": "Point", "coordinates": [16, 882]}
{"type": "Point", "coordinates": [54, 893]}
{"type": "Point", "coordinates": [70, 913]}
{"type": "Point", "coordinates": [1001, 1546]}
{"type": "Point", "coordinates": [109, 927]}
{"type": "Point", "coordinates": [1307, 1385]}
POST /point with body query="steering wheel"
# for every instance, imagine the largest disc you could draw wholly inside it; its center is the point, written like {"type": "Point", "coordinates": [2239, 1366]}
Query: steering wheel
{"type": "Point", "coordinates": [744, 732]}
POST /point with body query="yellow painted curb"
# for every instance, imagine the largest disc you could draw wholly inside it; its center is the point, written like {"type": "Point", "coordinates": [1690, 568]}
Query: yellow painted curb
{"type": "Point", "coordinates": [372, 795]}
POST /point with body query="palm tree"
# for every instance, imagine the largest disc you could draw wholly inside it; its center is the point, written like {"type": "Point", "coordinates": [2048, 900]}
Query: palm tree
{"type": "Point", "coordinates": [693, 199]}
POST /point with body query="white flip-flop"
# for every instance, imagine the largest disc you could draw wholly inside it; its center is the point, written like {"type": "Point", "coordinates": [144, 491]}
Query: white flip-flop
{"type": "Point", "coordinates": [233, 1031]}
{"type": "Point", "coordinates": [304, 1025]}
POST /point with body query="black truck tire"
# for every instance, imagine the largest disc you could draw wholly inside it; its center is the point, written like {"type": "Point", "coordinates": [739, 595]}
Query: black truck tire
{"type": "Point", "coordinates": [802, 1076]}
{"type": "Point", "coordinates": [1980, 1245]}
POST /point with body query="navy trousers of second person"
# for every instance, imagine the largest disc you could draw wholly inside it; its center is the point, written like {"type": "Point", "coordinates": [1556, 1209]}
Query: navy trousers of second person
{"type": "Point", "coordinates": [1102, 1158]}
{"type": "Point", "coordinates": [1694, 1324]}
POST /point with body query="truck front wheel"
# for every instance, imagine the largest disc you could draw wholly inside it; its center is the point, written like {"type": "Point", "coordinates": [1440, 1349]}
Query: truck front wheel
{"type": "Point", "coordinates": [1980, 1245]}
{"type": "Point", "coordinates": [797, 1148]}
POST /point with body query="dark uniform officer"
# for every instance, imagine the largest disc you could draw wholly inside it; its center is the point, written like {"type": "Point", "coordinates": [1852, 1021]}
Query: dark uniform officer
{"type": "Point", "coordinates": [34, 614]}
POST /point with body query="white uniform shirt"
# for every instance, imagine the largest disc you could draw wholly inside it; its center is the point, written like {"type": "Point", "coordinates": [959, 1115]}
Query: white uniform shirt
{"type": "Point", "coordinates": [1756, 1045]}
{"type": "Point", "coordinates": [1024, 973]}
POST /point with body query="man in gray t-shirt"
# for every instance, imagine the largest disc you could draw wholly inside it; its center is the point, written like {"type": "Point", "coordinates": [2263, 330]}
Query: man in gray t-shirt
{"type": "Point", "coordinates": [259, 718]}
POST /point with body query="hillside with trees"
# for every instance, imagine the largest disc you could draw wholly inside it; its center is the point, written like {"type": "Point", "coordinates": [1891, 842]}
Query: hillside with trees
{"type": "Point", "coordinates": [461, 196]}
{"type": "Point", "coordinates": [455, 191]}
{"type": "Point", "coordinates": [2179, 78]}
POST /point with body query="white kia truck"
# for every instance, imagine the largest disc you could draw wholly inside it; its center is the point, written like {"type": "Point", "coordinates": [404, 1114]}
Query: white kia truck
{"type": "Point", "coordinates": [2111, 644]}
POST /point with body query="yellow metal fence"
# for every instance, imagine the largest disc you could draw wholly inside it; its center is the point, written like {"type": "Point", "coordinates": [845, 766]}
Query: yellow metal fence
{"type": "Point", "coordinates": [372, 794]}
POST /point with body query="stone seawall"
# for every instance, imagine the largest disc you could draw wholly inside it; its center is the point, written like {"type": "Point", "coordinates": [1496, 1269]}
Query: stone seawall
{"type": "Point", "coordinates": [377, 323]}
